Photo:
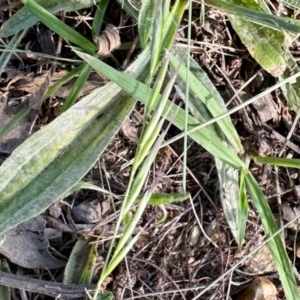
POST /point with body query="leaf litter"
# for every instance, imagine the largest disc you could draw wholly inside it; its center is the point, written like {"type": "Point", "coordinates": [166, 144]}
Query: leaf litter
{"type": "Point", "coordinates": [177, 248]}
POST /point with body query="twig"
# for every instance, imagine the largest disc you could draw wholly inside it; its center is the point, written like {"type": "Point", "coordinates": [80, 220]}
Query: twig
{"type": "Point", "coordinates": [48, 288]}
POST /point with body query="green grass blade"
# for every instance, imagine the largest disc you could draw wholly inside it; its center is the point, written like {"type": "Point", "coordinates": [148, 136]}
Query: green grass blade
{"type": "Point", "coordinates": [54, 87]}
{"type": "Point", "coordinates": [242, 209]}
{"type": "Point", "coordinates": [276, 245]}
{"type": "Point", "coordinates": [60, 27]}
{"type": "Point", "coordinates": [204, 89]}
{"type": "Point", "coordinates": [77, 87]}
{"type": "Point", "coordinates": [98, 18]}
{"type": "Point", "coordinates": [291, 91]}
{"type": "Point", "coordinates": [14, 121]}
{"type": "Point", "coordinates": [280, 162]}
{"type": "Point", "coordinates": [229, 197]}
{"type": "Point", "coordinates": [204, 137]}
{"type": "Point", "coordinates": [6, 56]}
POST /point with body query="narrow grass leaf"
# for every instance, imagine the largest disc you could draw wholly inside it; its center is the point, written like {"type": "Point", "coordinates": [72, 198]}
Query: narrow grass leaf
{"type": "Point", "coordinates": [242, 209]}
{"type": "Point", "coordinates": [291, 91]}
{"type": "Point", "coordinates": [55, 158]}
{"type": "Point", "coordinates": [276, 246]}
{"type": "Point", "coordinates": [81, 185]}
{"type": "Point", "coordinates": [60, 27]}
{"type": "Point", "coordinates": [205, 91]}
{"type": "Point", "coordinates": [280, 162]}
{"type": "Point", "coordinates": [24, 19]}
{"type": "Point", "coordinates": [206, 138]}
{"type": "Point", "coordinates": [54, 87]}
{"type": "Point", "coordinates": [156, 42]}
{"type": "Point", "coordinates": [161, 198]}
{"type": "Point", "coordinates": [77, 87]}
{"type": "Point", "coordinates": [98, 17]}
{"type": "Point", "coordinates": [293, 3]}
{"type": "Point", "coordinates": [229, 196]}
{"type": "Point", "coordinates": [19, 117]}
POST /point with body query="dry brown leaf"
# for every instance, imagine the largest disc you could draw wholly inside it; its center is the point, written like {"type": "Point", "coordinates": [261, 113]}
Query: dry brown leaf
{"type": "Point", "coordinates": [18, 134]}
{"type": "Point", "coordinates": [88, 212]}
{"type": "Point", "coordinates": [26, 248]}
{"type": "Point", "coordinates": [109, 40]}
{"type": "Point", "coordinates": [130, 131]}
{"type": "Point", "coordinates": [260, 289]}
{"type": "Point", "coordinates": [261, 262]}
{"type": "Point", "coordinates": [289, 213]}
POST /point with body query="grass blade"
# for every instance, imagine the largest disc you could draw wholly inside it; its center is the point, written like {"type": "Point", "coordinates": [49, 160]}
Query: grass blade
{"type": "Point", "coordinates": [276, 245]}
{"type": "Point", "coordinates": [60, 27]}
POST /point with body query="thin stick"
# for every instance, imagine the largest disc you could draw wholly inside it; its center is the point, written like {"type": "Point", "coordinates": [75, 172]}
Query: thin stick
{"type": "Point", "coordinates": [43, 287]}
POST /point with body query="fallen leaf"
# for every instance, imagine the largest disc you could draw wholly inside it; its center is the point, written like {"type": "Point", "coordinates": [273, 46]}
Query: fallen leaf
{"type": "Point", "coordinates": [261, 262]}
{"type": "Point", "coordinates": [18, 134]}
{"type": "Point", "coordinates": [26, 246]}
{"type": "Point", "coordinates": [88, 212]}
{"type": "Point", "coordinates": [260, 289]}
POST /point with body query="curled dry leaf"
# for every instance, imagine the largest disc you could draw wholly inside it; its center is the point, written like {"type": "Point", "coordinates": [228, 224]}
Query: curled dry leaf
{"type": "Point", "coordinates": [130, 131]}
{"type": "Point", "coordinates": [260, 289]}
{"type": "Point", "coordinates": [108, 41]}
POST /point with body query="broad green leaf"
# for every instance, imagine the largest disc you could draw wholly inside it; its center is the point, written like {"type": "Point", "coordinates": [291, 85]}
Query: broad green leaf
{"type": "Point", "coordinates": [145, 20]}
{"type": "Point", "coordinates": [81, 263]}
{"type": "Point", "coordinates": [205, 137]}
{"type": "Point", "coordinates": [258, 17]}
{"type": "Point", "coordinates": [276, 245]}
{"type": "Point", "coordinates": [35, 175]}
{"type": "Point", "coordinates": [60, 27]}
{"type": "Point", "coordinates": [6, 56]}
{"type": "Point", "coordinates": [23, 19]}
{"type": "Point", "coordinates": [55, 158]}
{"type": "Point", "coordinates": [263, 43]}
